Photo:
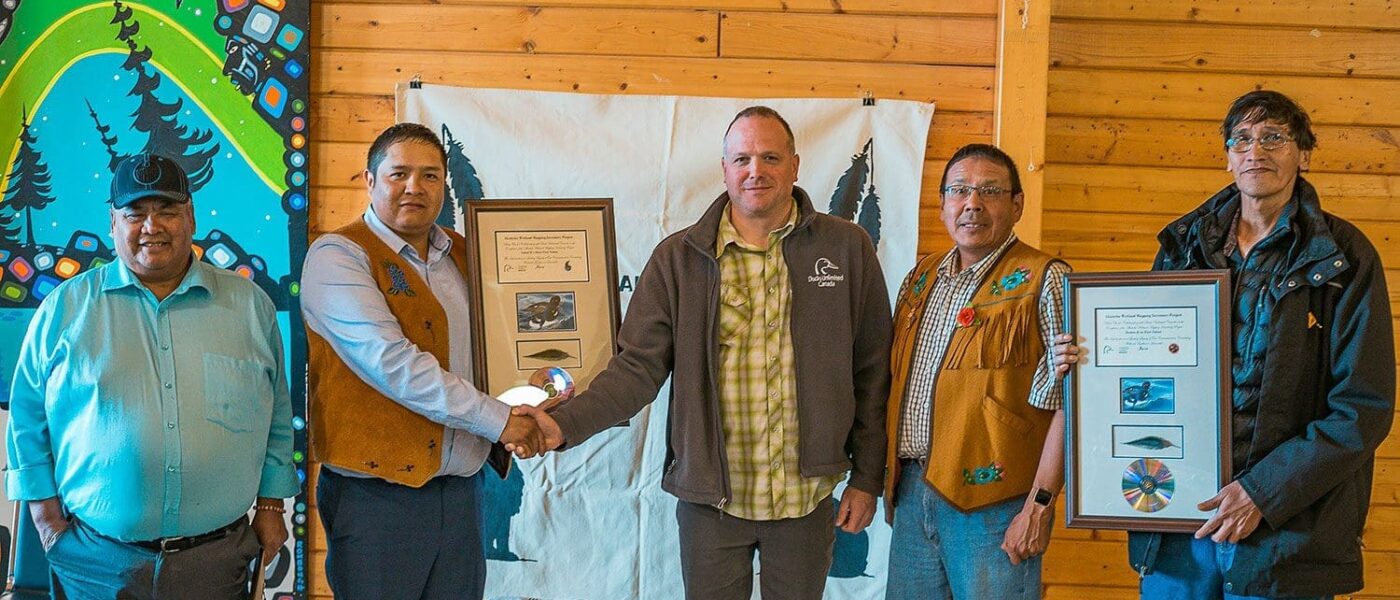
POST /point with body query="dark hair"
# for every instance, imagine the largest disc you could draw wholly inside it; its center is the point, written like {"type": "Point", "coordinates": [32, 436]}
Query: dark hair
{"type": "Point", "coordinates": [402, 132]}
{"type": "Point", "coordinates": [986, 151]}
{"type": "Point", "coordinates": [1268, 105]}
{"type": "Point", "coordinates": [764, 111]}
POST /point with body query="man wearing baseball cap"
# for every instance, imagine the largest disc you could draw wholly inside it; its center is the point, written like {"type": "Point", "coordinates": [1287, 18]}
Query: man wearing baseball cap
{"type": "Point", "coordinates": [150, 411]}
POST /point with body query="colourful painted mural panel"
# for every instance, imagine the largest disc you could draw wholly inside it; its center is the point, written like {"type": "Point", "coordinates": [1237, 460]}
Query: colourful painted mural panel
{"type": "Point", "coordinates": [221, 86]}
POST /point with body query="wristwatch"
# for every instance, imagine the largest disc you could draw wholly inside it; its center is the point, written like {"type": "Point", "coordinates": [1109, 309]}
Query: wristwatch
{"type": "Point", "coordinates": [1043, 497]}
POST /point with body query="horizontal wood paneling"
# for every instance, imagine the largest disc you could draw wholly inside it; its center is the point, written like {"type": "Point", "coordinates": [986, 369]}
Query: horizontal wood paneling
{"type": "Point", "coordinates": [335, 207]}
{"type": "Point", "coordinates": [1361, 14]}
{"type": "Point", "coordinates": [1382, 573]}
{"type": "Point", "coordinates": [1227, 49]}
{"type": "Point", "coordinates": [1154, 142]}
{"type": "Point", "coordinates": [1088, 592]}
{"type": "Point", "coordinates": [1197, 96]}
{"type": "Point", "coordinates": [363, 72]}
{"type": "Point", "coordinates": [1381, 526]}
{"type": "Point", "coordinates": [1174, 191]}
{"type": "Point", "coordinates": [939, 40]}
{"type": "Point", "coordinates": [519, 29]}
{"type": "Point", "coordinates": [1386, 489]}
{"type": "Point", "coordinates": [896, 7]}
{"type": "Point", "coordinates": [1088, 562]}
{"type": "Point", "coordinates": [348, 118]}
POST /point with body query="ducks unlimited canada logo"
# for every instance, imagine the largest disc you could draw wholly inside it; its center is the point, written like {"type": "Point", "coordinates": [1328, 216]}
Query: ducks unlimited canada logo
{"type": "Point", "coordinates": [825, 273]}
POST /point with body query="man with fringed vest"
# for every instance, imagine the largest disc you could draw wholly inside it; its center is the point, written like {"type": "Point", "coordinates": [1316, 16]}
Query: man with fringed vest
{"type": "Point", "coordinates": [399, 428]}
{"type": "Point", "coordinates": [976, 433]}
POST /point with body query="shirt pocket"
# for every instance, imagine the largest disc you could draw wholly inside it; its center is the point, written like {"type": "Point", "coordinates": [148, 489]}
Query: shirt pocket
{"type": "Point", "coordinates": [735, 310]}
{"type": "Point", "coordinates": [234, 391]}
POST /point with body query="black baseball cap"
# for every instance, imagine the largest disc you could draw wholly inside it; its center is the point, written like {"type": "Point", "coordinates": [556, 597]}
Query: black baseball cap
{"type": "Point", "coordinates": [148, 175]}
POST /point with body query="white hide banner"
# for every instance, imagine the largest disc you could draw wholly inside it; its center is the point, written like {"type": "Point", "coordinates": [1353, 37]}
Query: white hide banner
{"type": "Point", "coordinates": [592, 523]}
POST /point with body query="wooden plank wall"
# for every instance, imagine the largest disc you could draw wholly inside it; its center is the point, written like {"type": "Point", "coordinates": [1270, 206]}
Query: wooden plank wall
{"type": "Point", "coordinates": [1137, 89]}
{"type": "Point", "coordinates": [930, 50]}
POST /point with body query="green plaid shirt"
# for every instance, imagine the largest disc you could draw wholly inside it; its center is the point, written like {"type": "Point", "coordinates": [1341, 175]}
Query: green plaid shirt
{"type": "Point", "coordinates": [758, 387]}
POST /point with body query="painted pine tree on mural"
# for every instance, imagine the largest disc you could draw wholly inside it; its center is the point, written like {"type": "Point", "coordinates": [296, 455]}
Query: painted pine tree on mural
{"type": "Point", "coordinates": [29, 188]}
{"type": "Point", "coordinates": [191, 148]}
{"type": "Point", "coordinates": [110, 141]}
{"type": "Point", "coordinates": [9, 228]}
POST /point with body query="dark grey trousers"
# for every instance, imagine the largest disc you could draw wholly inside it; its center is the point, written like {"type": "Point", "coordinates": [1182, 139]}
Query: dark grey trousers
{"type": "Point", "coordinates": [386, 541]}
{"type": "Point", "coordinates": [91, 566]}
{"type": "Point", "coordinates": [717, 551]}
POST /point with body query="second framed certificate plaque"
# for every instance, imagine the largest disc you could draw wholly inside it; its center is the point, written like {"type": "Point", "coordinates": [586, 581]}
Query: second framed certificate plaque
{"type": "Point", "coordinates": [1147, 409]}
{"type": "Point", "coordinates": [543, 290]}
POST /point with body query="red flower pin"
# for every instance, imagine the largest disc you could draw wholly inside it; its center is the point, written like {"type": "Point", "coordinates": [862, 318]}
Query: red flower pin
{"type": "Point", "coordinates": [967, 317]}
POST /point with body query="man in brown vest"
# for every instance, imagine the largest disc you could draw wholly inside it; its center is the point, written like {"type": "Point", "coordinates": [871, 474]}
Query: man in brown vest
{"type": "Point", "coordinates": [975, 428]}
{"type": "Point", "coordinates": [401, 431]}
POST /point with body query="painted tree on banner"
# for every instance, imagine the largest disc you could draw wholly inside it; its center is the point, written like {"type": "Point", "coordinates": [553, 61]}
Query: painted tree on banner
{"type": "Point", "coordinates": [855, 191]}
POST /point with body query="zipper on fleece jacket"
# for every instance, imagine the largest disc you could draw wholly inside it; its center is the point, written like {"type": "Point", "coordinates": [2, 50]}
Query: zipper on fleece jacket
{"type": "Point", "coordinates": [713, 352]}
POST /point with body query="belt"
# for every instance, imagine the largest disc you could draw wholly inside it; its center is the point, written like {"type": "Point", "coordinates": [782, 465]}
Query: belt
{"type": "Point", "coordinates": [185, 542]}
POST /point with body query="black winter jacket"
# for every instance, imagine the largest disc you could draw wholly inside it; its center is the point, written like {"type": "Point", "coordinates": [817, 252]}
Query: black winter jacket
{"type": "Point", "coordinates": [1326, 403]}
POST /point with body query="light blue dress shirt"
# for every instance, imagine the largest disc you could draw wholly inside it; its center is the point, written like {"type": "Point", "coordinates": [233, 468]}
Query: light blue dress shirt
{"type": "Point", "coordinates": [149, 418]}
{"type": "Point", "coordinates": [342, 303]}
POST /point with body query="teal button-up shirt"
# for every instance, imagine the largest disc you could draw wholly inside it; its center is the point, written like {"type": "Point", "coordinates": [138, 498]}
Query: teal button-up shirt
{"type": "Point", "coordinates": [148, 418]}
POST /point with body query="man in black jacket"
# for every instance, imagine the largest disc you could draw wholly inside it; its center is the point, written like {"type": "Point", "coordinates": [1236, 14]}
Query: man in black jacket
{"type": "Point", "coordinates": [1313, 374]}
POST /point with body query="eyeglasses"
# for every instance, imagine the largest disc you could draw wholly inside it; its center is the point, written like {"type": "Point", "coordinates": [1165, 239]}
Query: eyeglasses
{"type": "Point", "coordinates": [965, 191]}
{"type": "Point", "coordinates": [1269, 141]}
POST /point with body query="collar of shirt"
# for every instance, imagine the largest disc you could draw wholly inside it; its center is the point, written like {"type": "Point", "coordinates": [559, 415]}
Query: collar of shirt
{"type": "Point", "coordinates": [438, 242]}
{"type": "Point", "coordinates": [119, 276]}
{"type": "Point", "coordinates": [1284, 224]}
{"type": "Point", "coordinates": [948, 267]}
{"type": "Point", "coordinates": [728, 234]}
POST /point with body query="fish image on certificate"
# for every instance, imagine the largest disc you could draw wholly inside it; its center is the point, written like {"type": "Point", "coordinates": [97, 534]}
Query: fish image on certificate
{"type": "Point", "coordinates": [1146, 336]}
{"type": "Point", "coordinates": [536, 354]}
{"type": "Point", "coordinates": [1149, 441]}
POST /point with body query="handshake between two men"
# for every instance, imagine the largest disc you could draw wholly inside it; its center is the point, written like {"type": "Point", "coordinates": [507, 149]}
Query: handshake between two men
{"type": "Point", "coordinates": [530, 432]}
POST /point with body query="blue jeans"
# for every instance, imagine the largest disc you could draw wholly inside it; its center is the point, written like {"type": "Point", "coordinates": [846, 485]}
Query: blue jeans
{"type": "Point", "coordinates": [91, 566]}
{"type": "Point", "coordinates": [1192, 569]}
{"type": "Point", "coordinates": [940, 552]}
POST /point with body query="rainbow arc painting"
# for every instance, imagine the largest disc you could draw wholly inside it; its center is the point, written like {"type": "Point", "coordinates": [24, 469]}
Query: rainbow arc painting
{"type": "Point", "coordinates": [220, 86]}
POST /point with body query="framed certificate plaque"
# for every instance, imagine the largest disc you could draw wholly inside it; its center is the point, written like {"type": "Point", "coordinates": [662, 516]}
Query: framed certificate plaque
{"type": "Point", "coordinates": [1147, 409]}
{"type": "Point", "coordinates": [543, 279]}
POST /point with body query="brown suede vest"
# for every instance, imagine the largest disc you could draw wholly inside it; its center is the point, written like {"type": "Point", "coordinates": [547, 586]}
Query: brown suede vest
{"type": "Point", "coordinates": [986, 439]}
{"type": "Point", "coordinates": [353, 426]}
